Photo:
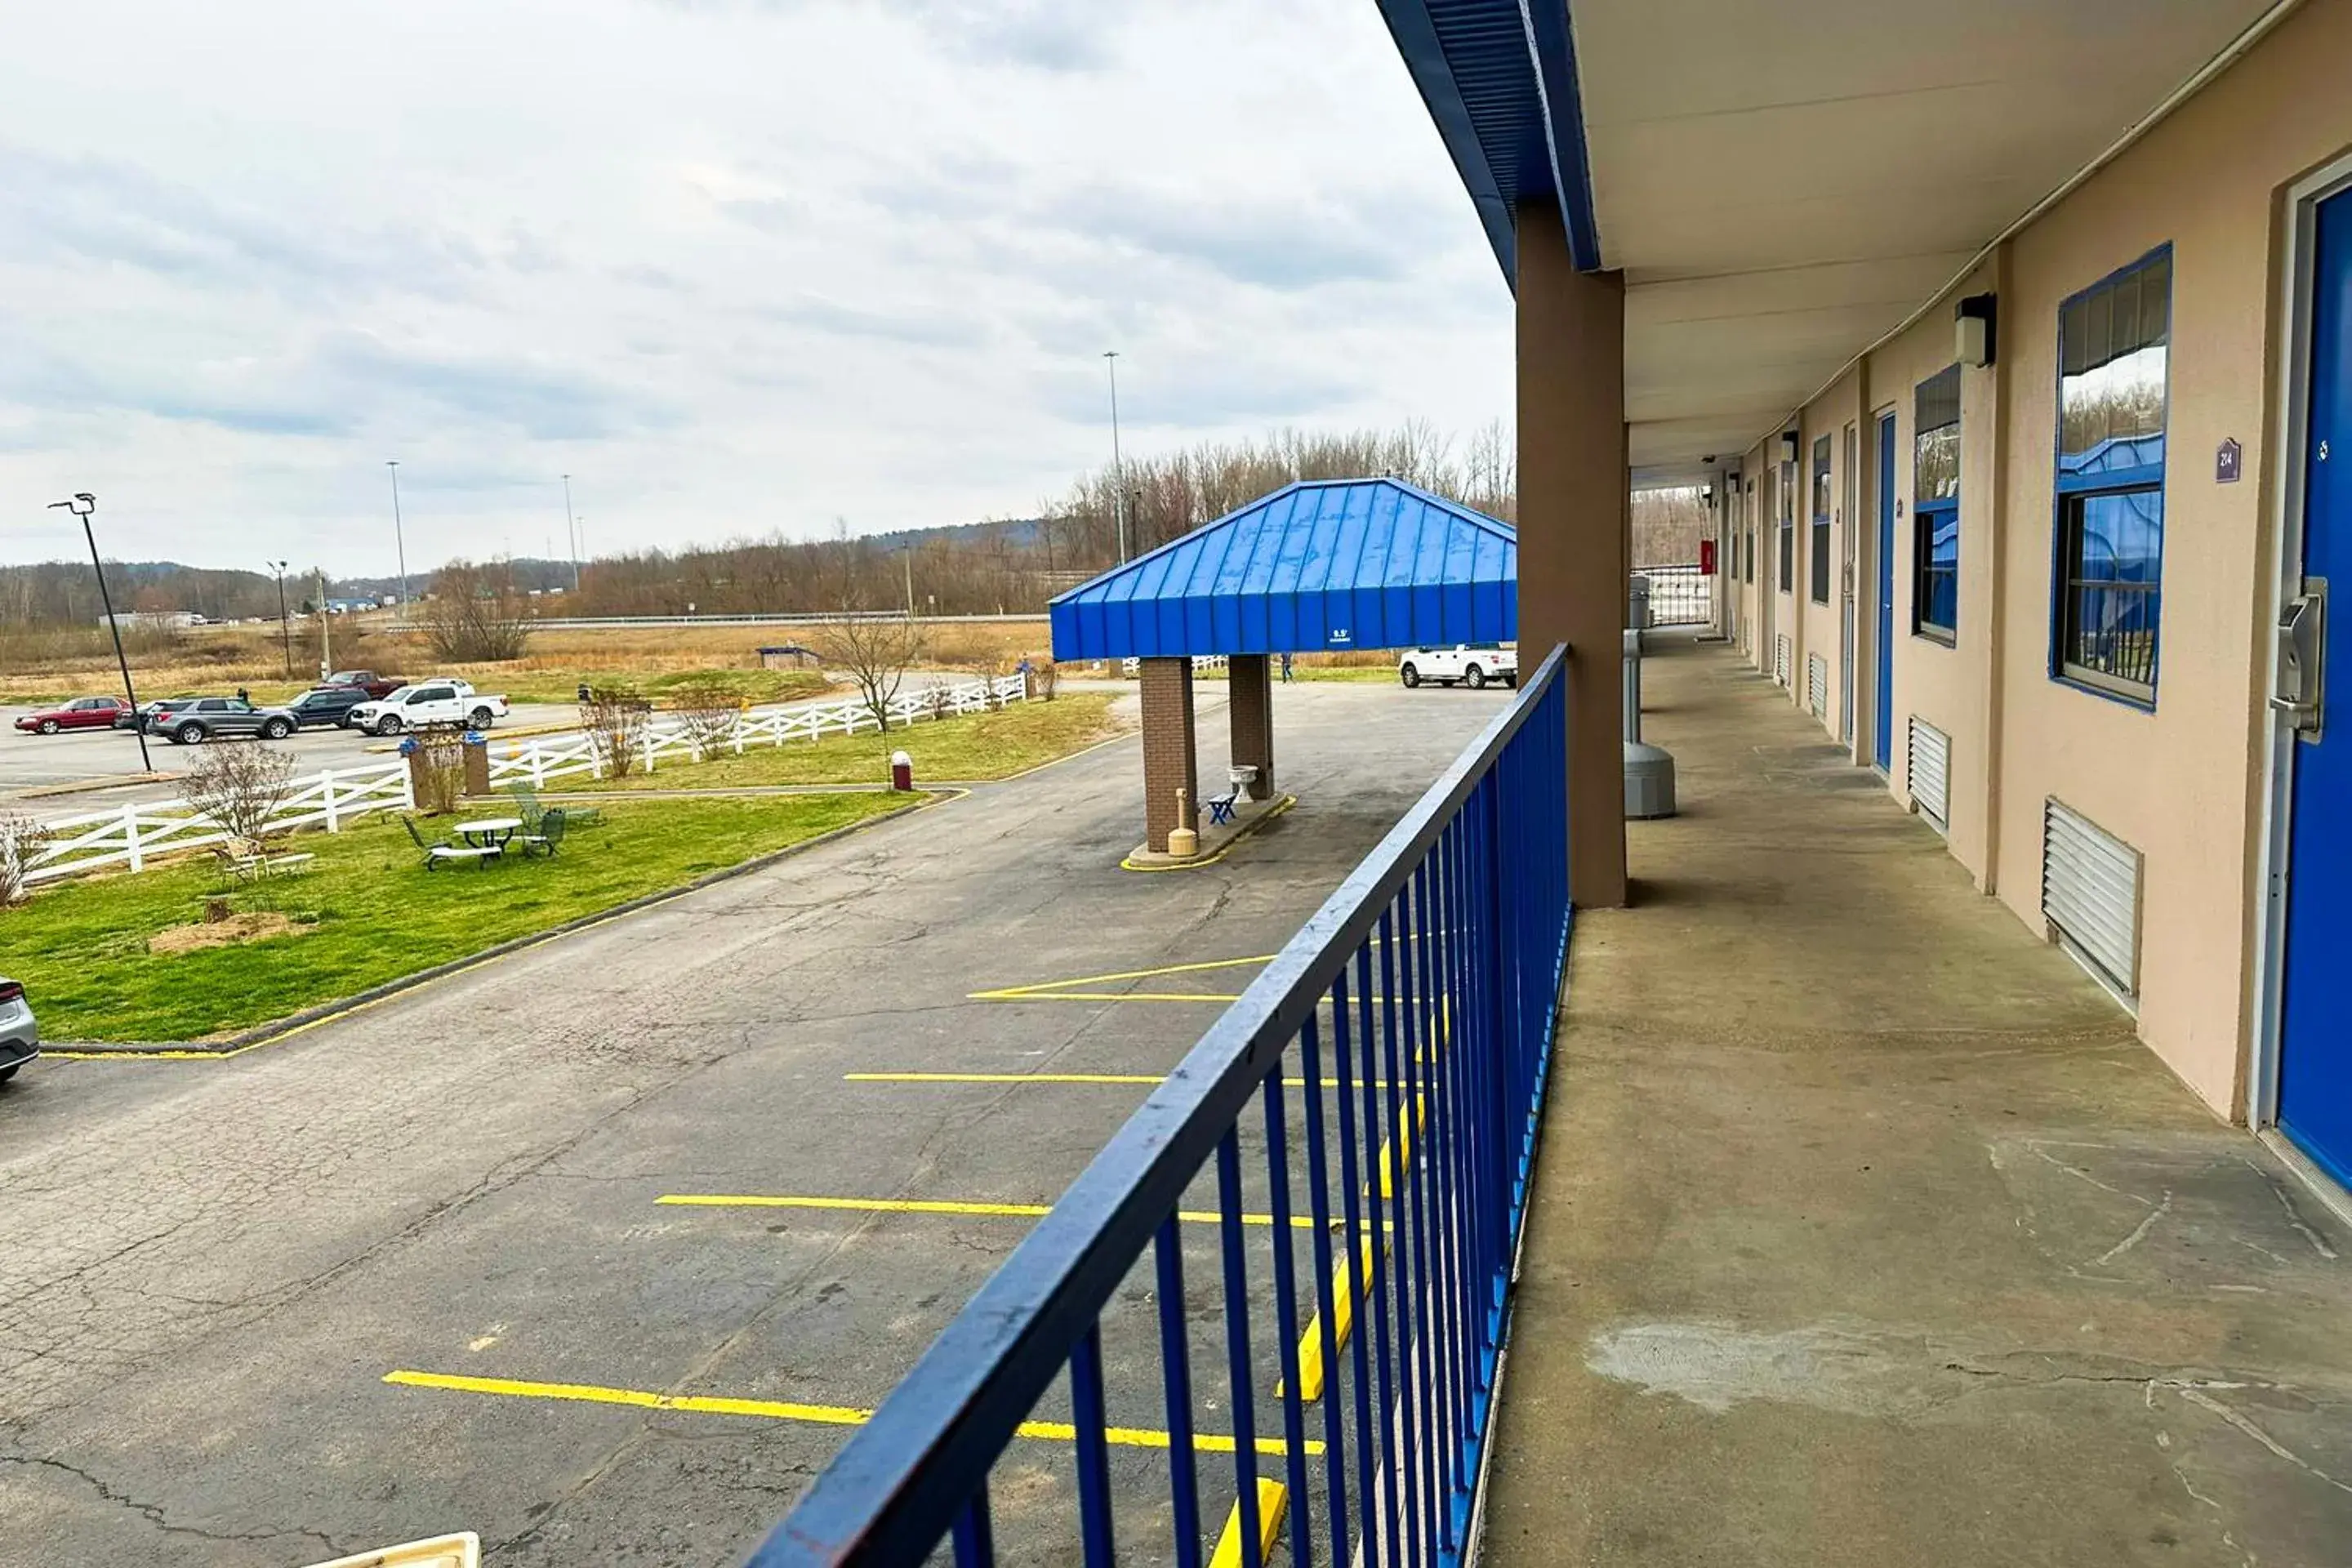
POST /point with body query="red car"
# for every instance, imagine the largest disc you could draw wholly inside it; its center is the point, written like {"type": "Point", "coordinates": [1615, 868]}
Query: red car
{"type": "Point", "coordinates": [376, 686]}
{"type": "Point", "coordinates": [81, 713]}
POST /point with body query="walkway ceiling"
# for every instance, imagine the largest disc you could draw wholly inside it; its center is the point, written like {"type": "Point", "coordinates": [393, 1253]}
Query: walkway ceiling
{"type": "Point", "coordinates": [1316, 565]}
{"type": "Point", "coordinates": [1782, 186]}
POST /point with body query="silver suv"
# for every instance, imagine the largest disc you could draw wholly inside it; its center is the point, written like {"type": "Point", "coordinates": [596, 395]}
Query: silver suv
{"type": "Point", "coordinates": [191, 720]}
{"type": "Point", "coordinates": [20, 1032]}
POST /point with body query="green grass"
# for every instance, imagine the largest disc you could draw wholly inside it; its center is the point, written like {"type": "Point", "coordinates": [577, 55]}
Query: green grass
{"type": "Point", "coordinates": [975, 746]}
{"type": "Point", "coordinates": [372, 912]}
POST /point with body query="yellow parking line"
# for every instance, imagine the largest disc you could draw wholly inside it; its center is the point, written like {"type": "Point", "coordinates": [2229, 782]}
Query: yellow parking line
{"type": "Point", "coordinates": [926, 1206]}
{"type": "Point", "coordinates": [783, 1410]}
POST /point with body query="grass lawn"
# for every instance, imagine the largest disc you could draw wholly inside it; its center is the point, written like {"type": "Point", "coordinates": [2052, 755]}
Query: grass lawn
{"type": "Point", "coordinates": [976, 746]}
{"type": "Point", "coordinates": [366, 913]}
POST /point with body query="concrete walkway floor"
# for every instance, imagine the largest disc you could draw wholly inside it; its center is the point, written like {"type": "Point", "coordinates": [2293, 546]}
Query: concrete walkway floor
{"type": "Point", "coordinates": [1864, 1233]}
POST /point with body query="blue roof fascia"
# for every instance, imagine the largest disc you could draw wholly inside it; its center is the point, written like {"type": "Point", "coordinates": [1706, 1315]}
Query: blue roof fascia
{"type": "Point", "coordinates": [1552, 37]}
{"type": "Point", "coordinates": [1492, 74]}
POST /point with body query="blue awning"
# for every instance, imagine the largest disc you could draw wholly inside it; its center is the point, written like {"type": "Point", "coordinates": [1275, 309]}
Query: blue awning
{"type": "Point", "coordinates": [1318, 565]}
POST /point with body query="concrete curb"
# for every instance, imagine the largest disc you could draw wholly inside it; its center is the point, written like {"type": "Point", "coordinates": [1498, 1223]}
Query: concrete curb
{"type": "Point", "coordinates": [294, 1023]}
{"type": "Point", "coordinates": [93, 786]}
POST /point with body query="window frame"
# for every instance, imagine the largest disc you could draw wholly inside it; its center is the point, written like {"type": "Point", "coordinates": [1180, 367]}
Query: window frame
{"type": "Point", "coordinates": [1817, 564]}
{"type": "Point", "coordinates": [1927, 514]}
{"type": "Point", "coordinates": [2065, 493]}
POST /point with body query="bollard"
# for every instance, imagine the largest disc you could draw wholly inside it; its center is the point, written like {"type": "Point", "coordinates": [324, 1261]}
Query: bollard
{"type": "Point", "coordinates": [902, 771]}
{"type": "Point", "coordinates": [1183, 839]}
{"type": "Point", "coordinates": [1633, 681]}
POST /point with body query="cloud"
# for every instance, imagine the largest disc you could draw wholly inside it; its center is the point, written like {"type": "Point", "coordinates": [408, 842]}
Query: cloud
{"type": "Point", "coordinates": [87, 209]}
{"type": "Point", "coordinates": [735, 265]}
{"type": "Point", "coordinates": [919, 325]}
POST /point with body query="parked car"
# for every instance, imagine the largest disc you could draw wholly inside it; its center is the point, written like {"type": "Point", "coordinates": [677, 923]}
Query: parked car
{"type": "Point", "coordinates": [212, 718]}
{"type": "Point", "coordinates": [81, 713]}
{"type": "Point", "coordinates": [428, 702]}
{"type": "Point", "coordinates": [20, 1032]}
{"type": "Point", "coordinates": [368, 680]}
{"type": "Point", "coordinates": [137, 718]}
{"type": "Point", "coordinates": [325, 705]}
{"type": "Point", "coordinates": [1471, 664]}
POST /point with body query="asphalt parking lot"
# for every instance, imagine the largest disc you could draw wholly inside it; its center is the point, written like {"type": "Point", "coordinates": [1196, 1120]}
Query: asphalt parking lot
{"type": "Point", "coordinates": [45, 762]}
{"type": "Point", "coordinates": [411, 1270]}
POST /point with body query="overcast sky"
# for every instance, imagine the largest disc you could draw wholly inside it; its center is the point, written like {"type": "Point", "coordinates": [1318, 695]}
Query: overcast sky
{"type": "Point", "coordinates": [735, 265]}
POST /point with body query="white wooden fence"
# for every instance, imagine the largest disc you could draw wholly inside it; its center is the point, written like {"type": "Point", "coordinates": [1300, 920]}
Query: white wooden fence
{"type": "Point", "coordinates": [540, 762]}
{"type": "Point", "coordinates": [129, 837]}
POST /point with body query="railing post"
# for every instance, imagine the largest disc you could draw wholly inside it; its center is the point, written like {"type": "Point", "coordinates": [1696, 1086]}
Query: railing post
{"type": "Point", "coordinates": [538, 767]}
{"type": "Point", "coordinates": [326, 792]}
{"type": "Point", "coordinates": [130, 837]}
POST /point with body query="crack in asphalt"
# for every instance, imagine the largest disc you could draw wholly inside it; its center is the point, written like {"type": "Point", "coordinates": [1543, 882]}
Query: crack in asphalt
{"type": "Point", "coordinates": [154, 1513]}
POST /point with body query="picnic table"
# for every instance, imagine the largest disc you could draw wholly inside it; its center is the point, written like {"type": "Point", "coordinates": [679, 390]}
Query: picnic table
{"type": "Point", "coordinates": [489, 832]}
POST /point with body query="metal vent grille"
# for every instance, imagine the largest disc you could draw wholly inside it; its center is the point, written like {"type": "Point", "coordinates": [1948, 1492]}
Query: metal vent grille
{"type": "Point", "coordinates": [1817, 684]}
{"type": "Point", "coordinates": [1780, 660]}
{"type": "Point", "coordinates": [1931, 772]}
{"type": "Point", "coordinates": [2090, 893]}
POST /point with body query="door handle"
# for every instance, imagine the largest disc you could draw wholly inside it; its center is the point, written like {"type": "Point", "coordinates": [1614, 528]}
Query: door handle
{"type": "Point", "coordinates": [2302, 643]}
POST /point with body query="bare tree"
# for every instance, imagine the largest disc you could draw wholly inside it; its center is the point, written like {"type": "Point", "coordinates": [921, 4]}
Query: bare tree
{"type": "Point", "coordinates": [614, 718]}
{"type": "Point", "coordinates": [875, 651]}
{"type": "Point", "coordinates": [707, 710]}
{"type": "Point", "coordinates": [22, 838]}
{"type": "Point", "coordinates": [242, 789]}
{"type": "Point", "coordinates": [476, 615]}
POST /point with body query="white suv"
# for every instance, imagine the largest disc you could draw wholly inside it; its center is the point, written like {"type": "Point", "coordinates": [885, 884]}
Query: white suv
{"type": "Point", "coordinates": [1472, 664]}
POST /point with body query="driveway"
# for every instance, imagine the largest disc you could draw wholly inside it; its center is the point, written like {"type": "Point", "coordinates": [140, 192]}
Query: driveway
{"type": "Point", "coordinates": [208, 1269]}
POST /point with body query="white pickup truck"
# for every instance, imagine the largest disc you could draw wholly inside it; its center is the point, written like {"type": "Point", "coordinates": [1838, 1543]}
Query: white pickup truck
{"type": "Point", "coordinates": [448, 701]}
{"type": "Point", "coordinates": [1472, 664]}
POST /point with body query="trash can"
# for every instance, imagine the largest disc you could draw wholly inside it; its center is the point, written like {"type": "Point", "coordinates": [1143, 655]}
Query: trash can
{"type": "Point", "coordinates": [1637, 604]}
{"type": "Point", "coordinates": [902, 771]}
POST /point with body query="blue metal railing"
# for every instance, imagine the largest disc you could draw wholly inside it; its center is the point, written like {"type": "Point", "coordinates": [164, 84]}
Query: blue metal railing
{"type": "Point", "coordinates": [1407, 1028]}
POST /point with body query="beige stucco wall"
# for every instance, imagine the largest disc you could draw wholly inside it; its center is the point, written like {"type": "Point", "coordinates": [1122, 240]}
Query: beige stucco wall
{"type": "Point", "coordinates": [1944, 684]}
{"type": "Point", "coordinates": [2180, 783]}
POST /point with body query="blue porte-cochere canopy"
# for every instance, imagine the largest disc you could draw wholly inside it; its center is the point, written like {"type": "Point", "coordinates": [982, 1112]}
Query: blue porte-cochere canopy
{"type": "Point", "coordinates": [1318, 564]}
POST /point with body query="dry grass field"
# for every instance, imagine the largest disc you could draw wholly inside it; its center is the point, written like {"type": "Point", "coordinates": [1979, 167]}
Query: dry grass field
{"type": "Point", "coordinates": [47, 666]}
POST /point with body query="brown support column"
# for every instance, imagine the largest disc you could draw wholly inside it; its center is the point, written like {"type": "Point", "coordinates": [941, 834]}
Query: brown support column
{"type": "Point", "coordinates": [1574, 507]}
{"type": "Point", "coordinates": [1168, 764]}
{"type": "Point", "coordinates": [1251, 708]}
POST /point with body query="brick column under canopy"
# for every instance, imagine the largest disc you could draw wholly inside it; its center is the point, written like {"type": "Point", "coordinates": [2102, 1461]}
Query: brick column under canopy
{"type": "Point", "coordinates": [1168, 760]}
{"type": "Point", "coordinates": [1250, 676]}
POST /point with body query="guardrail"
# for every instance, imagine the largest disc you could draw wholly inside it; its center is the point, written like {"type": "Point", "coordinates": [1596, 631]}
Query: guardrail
{"type": "Point", "coordinates": [126, 837]}
{"type": "Point", "coordinates": [1397, 1050]}
{"type": "Point", "coordinates": [1679, 595]}
{"type": "Point", "coordinates": [582, 754]}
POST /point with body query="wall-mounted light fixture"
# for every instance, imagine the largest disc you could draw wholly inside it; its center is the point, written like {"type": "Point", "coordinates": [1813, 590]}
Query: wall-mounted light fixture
{"type": "Point", "coordinates": [1972, 335]}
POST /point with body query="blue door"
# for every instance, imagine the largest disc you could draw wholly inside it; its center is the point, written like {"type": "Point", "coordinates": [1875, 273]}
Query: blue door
{"type": "Point", "coordinates": [2315, 1105]}
{"type": "Point", "coordinates": [1882, 733]}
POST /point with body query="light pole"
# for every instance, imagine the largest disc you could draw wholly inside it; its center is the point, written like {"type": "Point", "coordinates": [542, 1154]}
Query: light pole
{"type": "Point", "coordinates": [326, 637]}
{"type": "Point", "coordinates": [1117, 470]}
{"type": "Point", "coordinates": [82, 505]}
{"type": "Point", "coordinates": [285, 626]}
{"type": "Point", "coordinates": [906, 558]}
{"type": "Point", "coordinates": [571, 533]}
{"type": "Point", "coordinates": [398, 543]}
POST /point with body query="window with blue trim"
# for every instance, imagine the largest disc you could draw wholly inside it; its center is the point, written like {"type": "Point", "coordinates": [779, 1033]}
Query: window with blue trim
{"type": "Point", "coordinates": [1820, 556]}
{"type": "Point", "coordinates": [2113, 349]}
{"type": "Point", "coordinates": [1935, 506]}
